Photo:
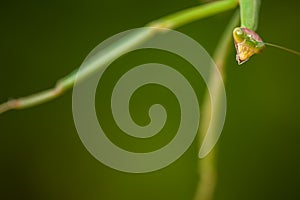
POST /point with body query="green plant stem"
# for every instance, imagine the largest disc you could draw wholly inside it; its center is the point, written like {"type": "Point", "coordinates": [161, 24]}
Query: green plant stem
{"type": "Point", "coordinates": [249, 13]}
{"type": "Point", "coordinates": [207, 166]}
{"type": "Point", "coordinates": [192, 14]}
{"type": "Point", "coordinates": [172, 21]}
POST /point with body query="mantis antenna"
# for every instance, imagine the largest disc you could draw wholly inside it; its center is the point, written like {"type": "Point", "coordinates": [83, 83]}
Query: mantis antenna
{"type": "Point", "coordinates": [283, 48]}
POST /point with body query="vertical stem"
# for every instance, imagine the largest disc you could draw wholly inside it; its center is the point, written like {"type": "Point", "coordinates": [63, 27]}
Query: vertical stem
{"type": "Point", "coordinates": [249, 13]}
{"type": "Point", "coordinates": [207, 166]}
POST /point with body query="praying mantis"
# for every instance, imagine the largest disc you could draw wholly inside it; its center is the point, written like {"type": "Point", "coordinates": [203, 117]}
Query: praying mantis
{"type": "Point", "coordinates": [247, 41]}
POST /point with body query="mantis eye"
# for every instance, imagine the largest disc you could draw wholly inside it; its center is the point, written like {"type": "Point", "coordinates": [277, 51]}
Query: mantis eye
{"type": "Point", "coordinates": [238, 31]}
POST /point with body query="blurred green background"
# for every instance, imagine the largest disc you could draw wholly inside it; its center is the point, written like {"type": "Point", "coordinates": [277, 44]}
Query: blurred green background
{"type": "Point", "coordinates": [42, 156]}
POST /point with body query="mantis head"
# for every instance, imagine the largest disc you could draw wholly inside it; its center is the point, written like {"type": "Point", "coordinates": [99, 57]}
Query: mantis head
{"type": "Point", "coordinates": [247, 43]}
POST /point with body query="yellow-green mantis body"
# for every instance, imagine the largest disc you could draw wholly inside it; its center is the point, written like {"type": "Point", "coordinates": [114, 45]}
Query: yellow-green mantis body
{"type": "Point", "coordinates": [247, 43]}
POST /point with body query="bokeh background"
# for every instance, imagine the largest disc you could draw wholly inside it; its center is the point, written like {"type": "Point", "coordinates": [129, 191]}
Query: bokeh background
{"type": "Point", "coordinates": [42, 156]}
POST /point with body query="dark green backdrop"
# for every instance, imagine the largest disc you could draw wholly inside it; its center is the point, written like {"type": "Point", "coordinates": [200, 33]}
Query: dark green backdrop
{"type": "Point", "coordinates": [42, 157]}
